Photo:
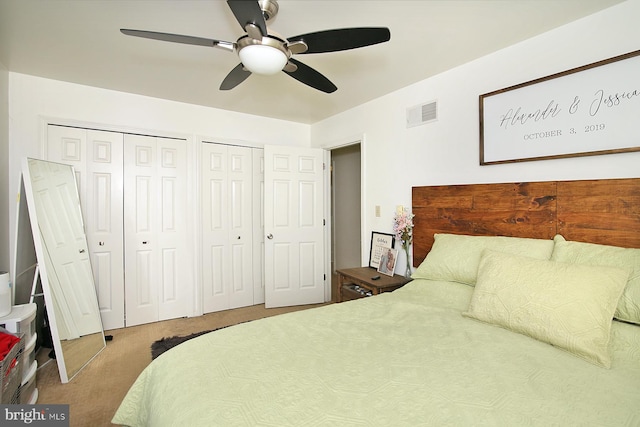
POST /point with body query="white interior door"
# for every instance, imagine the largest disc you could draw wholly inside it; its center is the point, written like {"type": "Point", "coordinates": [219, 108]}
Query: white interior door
{"type": "Point", "coordinates": [156, 247]}
{"type": "Point", "coordinates": [294, 226]}
{"type": "Point", "coordinates": [227, 231]}
{"type": "Point", "coordinates": [98, 162]}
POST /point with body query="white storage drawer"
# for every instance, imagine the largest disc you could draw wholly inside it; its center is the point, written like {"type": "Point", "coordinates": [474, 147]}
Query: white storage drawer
{"type": "Point", "coordinates": [28, 386]}
{"type": "Point", "coordinates": [28, 356]}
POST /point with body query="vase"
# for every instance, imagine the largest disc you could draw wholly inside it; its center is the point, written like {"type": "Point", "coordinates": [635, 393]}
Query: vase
{"type": "Point", "coordinates": [407, 272]}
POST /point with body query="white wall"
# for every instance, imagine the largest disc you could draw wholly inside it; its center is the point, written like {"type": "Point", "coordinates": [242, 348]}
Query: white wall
{"type": "Point", "coordinates": [33, 101]}
{"type": "Point", "coordinates": [447, 151]}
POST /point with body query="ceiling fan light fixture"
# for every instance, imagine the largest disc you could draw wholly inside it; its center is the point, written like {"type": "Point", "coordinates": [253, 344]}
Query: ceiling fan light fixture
{"type": "Point", "coordinates": [263, 59]}
{"type": "Point", "coordinates": [263, 51]}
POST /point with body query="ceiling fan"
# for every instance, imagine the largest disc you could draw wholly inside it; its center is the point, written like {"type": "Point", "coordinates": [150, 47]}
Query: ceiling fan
{"type": "Point", "coordinates": [265, 52]}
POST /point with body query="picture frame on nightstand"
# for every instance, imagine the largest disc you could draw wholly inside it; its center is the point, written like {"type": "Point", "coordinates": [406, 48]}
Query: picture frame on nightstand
{"type": "Point", "coordinates": [387, 264]}
{"type": "Point", "coordinates": [379, 243]}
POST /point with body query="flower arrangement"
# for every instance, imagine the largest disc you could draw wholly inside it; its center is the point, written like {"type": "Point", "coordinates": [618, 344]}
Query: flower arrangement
{"type": "Point", "coordinates": [403, 229]}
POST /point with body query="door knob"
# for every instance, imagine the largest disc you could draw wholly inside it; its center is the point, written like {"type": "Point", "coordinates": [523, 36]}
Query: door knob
{"type": "Point", "coordinates": [144, 242]}
{"type": "Point", "coordinates": [100, 243]}
{"type": "Point", "coordinates": [81, 251]}
{"type": "Point", "coordinates": [238, 237]}
{"type": "Point", "coordinates": [269, 236]}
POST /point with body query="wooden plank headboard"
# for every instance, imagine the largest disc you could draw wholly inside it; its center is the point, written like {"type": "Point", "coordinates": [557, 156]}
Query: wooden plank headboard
{"type": "Point", "coordinates": [603, 211]}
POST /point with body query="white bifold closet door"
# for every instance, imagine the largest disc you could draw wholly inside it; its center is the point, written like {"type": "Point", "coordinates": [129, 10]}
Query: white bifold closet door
{"type": "Point", "coordinates": [155, 229]}
{"type": "Point", "coordinates": [97, 160]}
{"type": "Point", "coordinates": [227, 226]}
{"type": "Point", "coordinates": [133, 191]}
{"type": "Point", "coordinates": [262, 226]}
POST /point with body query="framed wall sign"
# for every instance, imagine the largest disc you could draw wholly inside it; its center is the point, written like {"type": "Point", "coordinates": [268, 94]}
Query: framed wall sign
{"type": "Point", "coordinates": [380, 242]}
{"type": "Point", "coordinates": [585, 111]}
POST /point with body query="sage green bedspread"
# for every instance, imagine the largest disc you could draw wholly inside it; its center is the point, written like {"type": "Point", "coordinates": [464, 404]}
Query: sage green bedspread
{"type": "Point", "coordinates": [406, 358]}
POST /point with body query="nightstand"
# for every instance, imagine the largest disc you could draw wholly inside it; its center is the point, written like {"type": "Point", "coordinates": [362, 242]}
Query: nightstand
{"type": "Point", "coordinates": [356, 283]}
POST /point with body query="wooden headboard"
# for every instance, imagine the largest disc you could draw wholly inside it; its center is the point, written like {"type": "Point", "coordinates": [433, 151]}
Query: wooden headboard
{"type": "Point", "coordinates": [603, 211]}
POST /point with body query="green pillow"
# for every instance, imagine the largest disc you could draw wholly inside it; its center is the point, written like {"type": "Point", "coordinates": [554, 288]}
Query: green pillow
{"type": "Point", "coordinates": [612, 256]}
{"type": "Point", "coordinates": [569, 306]}
{"type": "Point", "coordinates": [455, 257]}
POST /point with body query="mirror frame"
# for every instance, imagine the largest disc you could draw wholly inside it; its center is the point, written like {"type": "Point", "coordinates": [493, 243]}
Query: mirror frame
{"type": "Point", "coordinates": [43, 268]}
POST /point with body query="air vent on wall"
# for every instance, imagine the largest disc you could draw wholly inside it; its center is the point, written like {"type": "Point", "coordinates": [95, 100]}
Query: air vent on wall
{"type": "Point", "coordinates": [421, 114]}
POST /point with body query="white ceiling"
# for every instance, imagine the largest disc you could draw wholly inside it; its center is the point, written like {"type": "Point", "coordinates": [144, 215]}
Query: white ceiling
{"type": "Point", "coordinates": [79, 41]}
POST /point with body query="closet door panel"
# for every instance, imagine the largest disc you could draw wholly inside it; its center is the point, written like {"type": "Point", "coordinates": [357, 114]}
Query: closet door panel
{"type": "Point", "coordinates": [140, 226]}
{"type": "Point", "coordinates": [105, 224]}
{"type": "Point", "coordinates": [216, 271]}
{"type": "Point", "coordinates": [241, 231]}
{"type": "Point", "coordinates": [174, 292]}
{"type": "Point", "coordinates": [215, 265]}
{"type": "Point", "coordinates": [227, 241]}
{"type": "Point", "coordinates": [97, 158]}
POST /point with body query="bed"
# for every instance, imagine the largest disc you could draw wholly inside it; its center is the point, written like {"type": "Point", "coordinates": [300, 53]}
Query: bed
{"type": "Point", "coordinates": [508, 321]}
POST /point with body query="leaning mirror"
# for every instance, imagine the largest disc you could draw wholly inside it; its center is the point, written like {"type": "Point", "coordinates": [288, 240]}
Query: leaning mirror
{"type": "Point", "coordinates": [64, 265]}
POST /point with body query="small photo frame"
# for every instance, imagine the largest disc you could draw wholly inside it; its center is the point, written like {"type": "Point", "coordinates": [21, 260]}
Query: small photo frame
{"type": "Point", "coordinates": [379, 242]}
{"type": "Point", "coordinates": [388, 260]}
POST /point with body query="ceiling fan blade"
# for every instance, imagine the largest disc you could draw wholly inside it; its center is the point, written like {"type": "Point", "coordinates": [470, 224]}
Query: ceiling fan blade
{"type": "Point", "coordinates": [248, 12]}
{"type": "Point", "coordinates": [311, 77]}
{"type": "Point", "coordinates": [342, 39]}
{"type": "Point", "coordinates": [235, 77]}
{"type": "Point", "coordinates": [178, 38]}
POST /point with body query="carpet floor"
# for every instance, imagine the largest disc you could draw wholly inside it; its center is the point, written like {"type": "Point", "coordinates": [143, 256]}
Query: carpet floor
{"type": "Point", "coordinates": [96, 392]}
